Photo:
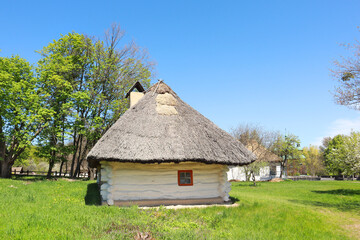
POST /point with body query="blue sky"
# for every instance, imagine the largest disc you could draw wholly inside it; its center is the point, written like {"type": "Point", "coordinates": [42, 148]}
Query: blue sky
{"type": "Point", "coordinates": [260, 62]}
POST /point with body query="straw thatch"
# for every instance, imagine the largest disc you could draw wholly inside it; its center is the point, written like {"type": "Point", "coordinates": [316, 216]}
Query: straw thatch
{"type": "Point", "coordinates": [163, 128]}
{"type": "Point", "coordinates": [261, 152]}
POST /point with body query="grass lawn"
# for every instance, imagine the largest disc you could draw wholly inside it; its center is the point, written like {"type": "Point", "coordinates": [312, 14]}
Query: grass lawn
{"type": "Point", "coordinates": [42, 209]}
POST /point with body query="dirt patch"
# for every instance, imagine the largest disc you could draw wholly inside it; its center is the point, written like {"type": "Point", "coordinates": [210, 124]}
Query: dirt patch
{"type": "Point", "coordinates": [143, 236]}
{"type": "Point", "coordinates": [234, 180]}
{"type": "Point", "coordinates": [276, 180]}
{"type": "Point", "coordinates": [70, 179]}
{"type": "Point", "coordinates": [351, 226]}
{"type": "Point", "coordinates": [129, 230]}
{"type": "Point", "coordinates": [354, 228]}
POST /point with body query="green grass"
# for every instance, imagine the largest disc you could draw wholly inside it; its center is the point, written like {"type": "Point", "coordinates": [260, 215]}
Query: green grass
{"type": "Point", "coordinates": [42, 209]}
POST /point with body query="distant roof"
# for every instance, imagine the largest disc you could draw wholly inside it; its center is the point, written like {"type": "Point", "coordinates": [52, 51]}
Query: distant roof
{"type": "Point", "coordinates": [138, 86]}
{"type": "Point", "coordinates": [163, 128]}
{"type": "Point", "coordinates": [262, 153]}
{"type": "Point", "coordinates": [18, 169]}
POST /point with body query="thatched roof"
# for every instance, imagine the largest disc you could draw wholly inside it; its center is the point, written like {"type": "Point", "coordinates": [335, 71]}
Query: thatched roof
{"type": "Point", "coordinates": [262, 153]}
{"type": "Point", "coordinates": [163, 128]}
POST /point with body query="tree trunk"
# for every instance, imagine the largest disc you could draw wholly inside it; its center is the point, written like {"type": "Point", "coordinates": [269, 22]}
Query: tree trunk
{"type": "Point", "coordinates": [5, 169]}
{"type": "Point", "coordinates": [80, 157]}
{"type": "Point", "coordinates": [5, 164]}
{"type": "Point", "coordinates": [61, 166]}
{"type": "Point", "coordinates": [76, 146]}
{"type": "Point", "coordinates": [51, 165]}
{"type": "Point", "coordinates": [282, 170]}
{"type": "Point", "coordinates": [91, 173]}
{"type": "Point", "coordinates": [247, 176]}
{"type": "Point", "coordinates": [283, 166]}
{"type": "Point", "coordinates": [254, 181]}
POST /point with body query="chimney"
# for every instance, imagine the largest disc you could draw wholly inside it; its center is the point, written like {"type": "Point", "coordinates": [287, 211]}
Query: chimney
{"type": "Point", "coordinates": [135, 96]}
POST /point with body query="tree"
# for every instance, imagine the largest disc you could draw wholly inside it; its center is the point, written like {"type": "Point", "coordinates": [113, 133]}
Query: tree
{"type": "Point", "coordinates": [63, 69]}
{"type": "Point", "coordinates": [334, 155]}
{"type": "Point", "coordinates": [352, 154]}
{"type": "Point", "coordinates": [116, 70]}
{"type": "Point", "coordinates": [22, 113]}
{"type": "Point", "coordinates": [257, 140]}
{"type": "Point", "coordinates": [29, 158]}
{"type": "Point", "coordinates": [89, 79]}
{"type": "Point", "coordinates": [313, 160]}
{"type": "Point", "coordinates": [286, 147]}
{"type": "Point", "coordinates": [325, 144]}
{"type": "Point", "coordinates": [342, 156]}
{"type": "Point", "coordinates": [347, 73]}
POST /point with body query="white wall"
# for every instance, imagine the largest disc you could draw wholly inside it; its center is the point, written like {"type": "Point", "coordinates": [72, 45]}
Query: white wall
{"type": "Point", "coordinates": [136, 181]}
{"type": "Point", "coordinates": [238, 173]}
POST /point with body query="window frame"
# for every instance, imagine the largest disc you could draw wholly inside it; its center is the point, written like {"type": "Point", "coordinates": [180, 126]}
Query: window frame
{"type": "Point", "coordinates": [191, 178]}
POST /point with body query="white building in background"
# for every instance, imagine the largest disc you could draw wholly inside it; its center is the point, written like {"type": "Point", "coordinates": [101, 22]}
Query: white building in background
{"type": "Point", "coordinates": [272, 168]}
{"type": "Point", "coordinates": [266, 173]}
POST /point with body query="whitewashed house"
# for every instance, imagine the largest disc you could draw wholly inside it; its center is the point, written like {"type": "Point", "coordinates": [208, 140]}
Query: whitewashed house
{"type": "Point", "coordinates": [163, 152]}
{"type": "Point", "coordinates": [270, 170]}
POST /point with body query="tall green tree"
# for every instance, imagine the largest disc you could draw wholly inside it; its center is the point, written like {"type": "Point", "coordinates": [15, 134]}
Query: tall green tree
{"type": "Point", "coordinates": [23, 114]}
{"type": "Point", "coordinates": [287, 148]}
{"type": "Point", "coordinates": [89, 78]}
{"type": "Point", "coordinates": [334, 155]}
{"type": "Point", "coordinates": [352, 156]}
{"type": "Point", "coordinates": [64, 68]}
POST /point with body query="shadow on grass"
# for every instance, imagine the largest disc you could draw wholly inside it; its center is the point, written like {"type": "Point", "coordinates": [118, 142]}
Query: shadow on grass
{"type": "Point", "coordinates": [29, 178]}
{"type": "Point", "coordinates": [348, 192]}
{"type": "Point", "coordinates": [44, 178]}
{"type": "Point", "coordinates": [342, 206]}
{"type": "Point", "coordinates": [244, 184]}
{"type": "Point", "coordinates": [234, 199]}
{"type": "Point", "coordinates": [92, 196]}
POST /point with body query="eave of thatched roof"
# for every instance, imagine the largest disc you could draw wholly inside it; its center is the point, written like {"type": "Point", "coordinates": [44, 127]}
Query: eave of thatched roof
{"type": "Point", "coordinates": [163, 128]}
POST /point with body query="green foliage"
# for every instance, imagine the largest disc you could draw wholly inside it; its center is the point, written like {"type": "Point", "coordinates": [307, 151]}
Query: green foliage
{"type": "Point", "coordinates": [342, 155]}
{"type": "Point", "coordinates": [252, 170]}
{"type": "Point", "coordinates": [64, 66]}
{"type": "Point", "coordinates": [21, 108]}
{"type": "Point", "coordinates": [41, 209]}
{"type": "Point", "coordinates": [77, 93]}
{"type": "Point", "coordinates": [287, 148]}
{"type": "Point", "coordinates": [88, 79]}
{"type": "Point", "coordinates": [22, 111]}
{"type": "Point", "coordinates": [347, 76]}
{"type": "Point", "coordinates": [334, 155]}
{"type": "Point", "coordinates": [352, 158]}
{"type": "Point", "coordinates": [313, 160]}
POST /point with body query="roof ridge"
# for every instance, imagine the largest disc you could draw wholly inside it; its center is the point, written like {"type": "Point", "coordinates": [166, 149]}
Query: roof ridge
{"type": "Point", "coordinates": [160, 88]}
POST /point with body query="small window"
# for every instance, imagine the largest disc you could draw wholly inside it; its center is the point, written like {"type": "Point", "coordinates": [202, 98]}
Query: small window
{"type": "Point", "coordinates": [185, 177]}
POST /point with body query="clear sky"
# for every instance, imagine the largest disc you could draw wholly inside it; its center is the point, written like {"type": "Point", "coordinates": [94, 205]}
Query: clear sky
{"type": "Point", "coordinates": [261, 62]}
